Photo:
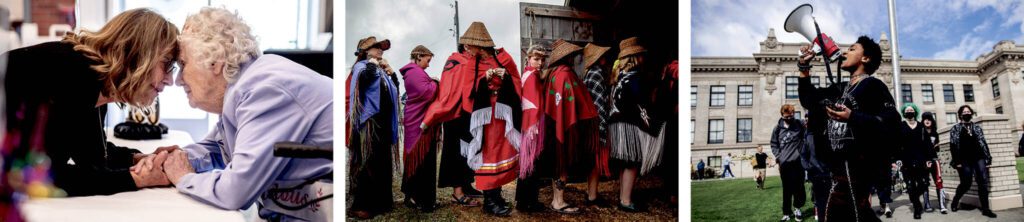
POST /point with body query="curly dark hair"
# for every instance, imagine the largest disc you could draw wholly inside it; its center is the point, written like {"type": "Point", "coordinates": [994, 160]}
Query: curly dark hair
{"type": "Point", "coordinates": [871, 50]}
{"type": "Point", "coordinates": [960, 111]}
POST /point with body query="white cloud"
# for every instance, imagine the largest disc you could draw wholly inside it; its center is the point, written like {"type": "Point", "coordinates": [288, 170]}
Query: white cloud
{"type": "Point", "coordinates": [427, 23]}
{"type": "Point", "coordinates": [734, 28]}
{"type": "Point", "coordinates": [969, 48]}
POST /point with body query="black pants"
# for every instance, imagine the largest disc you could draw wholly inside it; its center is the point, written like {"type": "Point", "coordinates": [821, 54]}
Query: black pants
{"type": "Point", "coordinates": [979, 172]}
{"type": "Point", "coordinates": [821, 184]}
{"type": "Point", "coordinates": [793, 192]}
{"type": "Point", "coordinates": [883, 186]}
{"type": "Point", "coordinates": [851, 191]}
{"type": "Point", "coordinates": [371, 190]}
{"type": "Point", "coordinates": [916, 178]}
{"type": "Point", "coordinates": [454, 171]}
{"type": "Point", "coordinates": [421, 186]}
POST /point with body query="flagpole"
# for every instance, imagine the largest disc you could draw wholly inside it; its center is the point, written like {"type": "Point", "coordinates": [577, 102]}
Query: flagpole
{"type": "Point", "coordinates": [895, 55]}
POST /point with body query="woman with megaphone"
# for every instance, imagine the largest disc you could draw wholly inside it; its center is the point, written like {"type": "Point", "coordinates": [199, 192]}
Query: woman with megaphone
{"type": "Point", "coordinates": [856, 118]}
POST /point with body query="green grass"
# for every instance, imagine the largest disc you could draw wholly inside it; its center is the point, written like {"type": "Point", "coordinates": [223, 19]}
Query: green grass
{"type": "Point", "coordinates": [1020, 169]}
{"type": "Point", "coordinates": [739, 200]}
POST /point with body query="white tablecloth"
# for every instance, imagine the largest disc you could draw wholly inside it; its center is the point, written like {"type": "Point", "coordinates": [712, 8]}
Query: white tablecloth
{"type": "Point", "coordinates": [157, 204]}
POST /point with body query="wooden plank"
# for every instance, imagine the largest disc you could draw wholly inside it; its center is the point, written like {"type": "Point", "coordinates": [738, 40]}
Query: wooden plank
{"type": "Point", "coordinates": [564, 13]}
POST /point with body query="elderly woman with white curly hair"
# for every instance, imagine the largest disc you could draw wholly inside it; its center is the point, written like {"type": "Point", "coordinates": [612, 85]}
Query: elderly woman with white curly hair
{"type": "Point", "coordinates": [261, 100]}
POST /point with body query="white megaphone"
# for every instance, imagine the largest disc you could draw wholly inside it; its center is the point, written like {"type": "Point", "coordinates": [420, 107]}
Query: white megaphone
{"type": "Point", "coordinates": [801, 21]}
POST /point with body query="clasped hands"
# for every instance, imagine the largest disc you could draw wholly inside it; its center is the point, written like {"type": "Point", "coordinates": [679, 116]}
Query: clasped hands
{"type": "Point", "coordinates": [164, 167]}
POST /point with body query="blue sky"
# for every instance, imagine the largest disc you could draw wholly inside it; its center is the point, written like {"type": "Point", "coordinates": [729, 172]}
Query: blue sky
{"type": "Point", "coordinates": [928, 29]}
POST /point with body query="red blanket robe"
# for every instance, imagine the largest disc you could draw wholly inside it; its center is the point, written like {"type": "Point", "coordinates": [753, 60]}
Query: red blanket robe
{"type": "Point", "coordinates": [533, 120]}
{"type": "Point", "coordinates": [493, 149]}
{"type": "Point", "coordinates": [569, 105]}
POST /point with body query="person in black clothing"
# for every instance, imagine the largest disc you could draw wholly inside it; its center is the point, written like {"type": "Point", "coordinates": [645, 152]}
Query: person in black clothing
{"type": "Point", "coordinates": [787, 143]}
{"type": "Point", "coordinates": [817, 172]}
{"type": "Point", "coordinates": [861, 119]}
{"type": "Point", "coordinates": [971, 159]}
{"type": "Point", "coordinates": [69, 82]}
{"type": "Point", "coordinates": [935, 166]}
{"type": "Point", "coordinates": [761, 162]}
{"type": "Point", "coordinates": [915, 153]}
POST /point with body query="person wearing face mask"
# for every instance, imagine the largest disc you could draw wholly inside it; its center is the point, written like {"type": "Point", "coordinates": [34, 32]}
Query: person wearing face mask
{"type": "Point", "coordinates": [916, 150]}
{"type": "Point", "coordinates": [859, 118]}
{"type": "Point", "coordinates": [971, 159]}
{"type": "Point", "coordinates": [934, 165]}
{"type": "Point", "coordinates": [787, 142]}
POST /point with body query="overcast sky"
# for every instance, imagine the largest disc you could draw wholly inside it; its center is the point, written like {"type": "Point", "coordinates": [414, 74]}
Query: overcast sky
{"type": "Point", "coordinates": [408, 23]}
{"type": "Point", "coordinates": [929, 29]}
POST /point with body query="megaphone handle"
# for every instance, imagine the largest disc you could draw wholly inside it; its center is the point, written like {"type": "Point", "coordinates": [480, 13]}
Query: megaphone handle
{"type": "Point", "coordinates": [821, 43]}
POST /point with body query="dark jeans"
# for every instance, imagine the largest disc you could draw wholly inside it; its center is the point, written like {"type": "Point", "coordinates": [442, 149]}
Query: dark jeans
{"type": "Point", "coordinates": [883, 186]}
{"type": "Point", "coordinates": [821, 184]}
{"type": "Point", "coordinates": [916, 178]}
{"type": "Point", "coordinates": [454, 171]}
{"type": "Point", "coordinates": [793, 192]}
{"type": "Point", "coordinates": [979, 172]}
{"type": "Point", "coordinates": [728, 170]}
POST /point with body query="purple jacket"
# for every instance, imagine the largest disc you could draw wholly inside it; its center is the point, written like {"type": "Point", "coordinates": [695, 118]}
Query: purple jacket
{"type": "Point", "coordinates": [420, 91]}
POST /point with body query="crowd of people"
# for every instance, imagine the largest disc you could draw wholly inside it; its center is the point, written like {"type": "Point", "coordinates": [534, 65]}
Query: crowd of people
{"type": "Point", "coordinates": [494, 124]}
{"type": "Point", "coordinates": [852, 138]}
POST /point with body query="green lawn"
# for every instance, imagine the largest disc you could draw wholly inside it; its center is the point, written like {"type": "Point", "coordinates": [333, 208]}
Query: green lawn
{"type": "Point", "coordinates": [738, 200]}
{"type": "Point", "coordinates": [1020, 169]}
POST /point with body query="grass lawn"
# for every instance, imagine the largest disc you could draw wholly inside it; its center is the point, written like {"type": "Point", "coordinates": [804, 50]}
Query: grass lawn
{"type": "Point", "coordinates": [1020, 169]}
{"type": "Point", "coordinates": [739, 200]}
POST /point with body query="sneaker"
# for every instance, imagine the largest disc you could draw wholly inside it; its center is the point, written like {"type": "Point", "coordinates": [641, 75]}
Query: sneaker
{"type": "Point", "coordinates": [796, 213]}
{"type": "Point", "coordinates": [784, 218]}
{"type": "Point", "coordinates": [943, 210]}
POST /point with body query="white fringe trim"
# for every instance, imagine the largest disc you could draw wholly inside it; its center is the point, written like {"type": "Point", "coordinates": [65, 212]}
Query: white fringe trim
{"type": "Point", "coordinates": [504, 112]}
{"type": "Point", "coordinates": [630, 143]}
{"type": "Point", "coordinates": [471, 149]}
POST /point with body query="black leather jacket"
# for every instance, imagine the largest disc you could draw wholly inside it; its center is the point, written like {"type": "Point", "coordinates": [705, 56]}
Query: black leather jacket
{"type": "Point", "coordinates": [955, 143]}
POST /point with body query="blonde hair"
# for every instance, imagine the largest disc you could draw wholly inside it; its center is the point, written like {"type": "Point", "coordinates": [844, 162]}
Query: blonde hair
{"type": "Point", "coordinates": [218, 34]}
{"type": "Point", "coordinates": [126, 49]}
{"type": "Point", "coordinates": [628, 63]}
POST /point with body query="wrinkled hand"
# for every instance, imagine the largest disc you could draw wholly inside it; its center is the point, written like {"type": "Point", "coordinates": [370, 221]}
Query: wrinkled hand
{"type": "Point", "coordinates": [842, 115]}
{"type": "Point", "coordinates": [149, 171]}
{"type": "Point", "coordinates": [177, 166]}
{"type": "Point", "coordinates": [167, 149]}
{"type": "Point", "coordinates": [386, 66]}
{"type": "Point", "coordinates": [496, 72]}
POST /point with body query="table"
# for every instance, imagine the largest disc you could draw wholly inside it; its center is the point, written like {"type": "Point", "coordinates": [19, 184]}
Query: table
{"type": "Point", "coordinates": [154, 204]}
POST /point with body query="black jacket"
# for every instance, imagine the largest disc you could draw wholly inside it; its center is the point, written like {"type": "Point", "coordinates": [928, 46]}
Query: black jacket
{"type": "Point", "coordinates": [787, 142]}
{"type": "Point", "coordinates": [956, 144]}
{"type": "Point", "coordinates": [54, 77]}
{"type": "Point", "coordinates": [916, 146]}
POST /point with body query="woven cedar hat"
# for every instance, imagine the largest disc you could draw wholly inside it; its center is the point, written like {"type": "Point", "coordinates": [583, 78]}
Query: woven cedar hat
{"type": "Point", "coordinates": [630, 46]}
{"type": "Point", "coordinates": [421, 50]}
{"type": "Point", "coordinates": [560, 49]}
{"type": "Point", "coordinates": [477, 35]}
{"type": "Point", "coordinates": [591, 53]}
{"type": "Point", "coordinates": [368, 42]}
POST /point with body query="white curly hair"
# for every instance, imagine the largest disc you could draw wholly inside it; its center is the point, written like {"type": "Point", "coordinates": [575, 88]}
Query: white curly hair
{"type": "Point", "coordinates": [218, 34]}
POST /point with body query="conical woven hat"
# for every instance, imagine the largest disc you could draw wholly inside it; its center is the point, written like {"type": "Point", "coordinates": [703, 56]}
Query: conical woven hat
{"type": "Point", "coordinates": [477, 35]}
{"type": "Point", "coordinates": [591, 53]}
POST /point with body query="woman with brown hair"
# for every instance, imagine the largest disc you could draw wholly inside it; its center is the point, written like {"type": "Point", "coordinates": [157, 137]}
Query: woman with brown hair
{"type": "Point", "coordinates": [56, 90]}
